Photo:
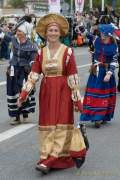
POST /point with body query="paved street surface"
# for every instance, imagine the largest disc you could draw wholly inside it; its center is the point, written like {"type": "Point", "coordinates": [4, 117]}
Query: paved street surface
{"type": "Point", "coordinates": [19, 145]}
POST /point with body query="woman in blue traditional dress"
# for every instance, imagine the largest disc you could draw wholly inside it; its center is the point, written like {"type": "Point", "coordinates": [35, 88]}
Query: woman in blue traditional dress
{"type": "Point", "coordinates": [23, 54]}
{"type": "Point", "coordinates": [100, 95]}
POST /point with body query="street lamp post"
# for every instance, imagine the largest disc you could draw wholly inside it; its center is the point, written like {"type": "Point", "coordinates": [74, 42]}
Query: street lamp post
{"type": "Point", "coordinates": [113, 3]}
{"type": "Point", "coordinates": [71, 6]}
{"type": "Point", "coordinates": [91, 4]}
{"type": "Point", "coordinates": [102, 6]}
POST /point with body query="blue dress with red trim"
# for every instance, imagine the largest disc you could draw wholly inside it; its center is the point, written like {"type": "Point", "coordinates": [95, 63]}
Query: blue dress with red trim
{"type": "Point", "coordinates": [100, 97]}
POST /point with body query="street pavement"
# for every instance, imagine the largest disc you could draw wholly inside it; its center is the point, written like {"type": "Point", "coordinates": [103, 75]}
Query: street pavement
{"type": "Point", "coordinates": [19, 149]}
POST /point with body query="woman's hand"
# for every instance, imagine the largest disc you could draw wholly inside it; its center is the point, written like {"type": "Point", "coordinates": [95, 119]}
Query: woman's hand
{"type": "Point", "coordinates": [22, 98]}
{"type": "Point", "coordinates": [19, 103]}
{"type": "Point", "coordinates": [107, 77]}
{"type": "Point", "coordinates": [78, 106]}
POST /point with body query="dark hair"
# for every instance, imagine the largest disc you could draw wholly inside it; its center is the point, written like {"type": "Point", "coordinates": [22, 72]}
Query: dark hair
{"type": "Point", "coordinates": [113, 40]}
{"type": "Point", "coordinates": [26, 18]}
{"type": "Point", "coordinates": [105, 19]}
{"type": "Point", "coordinates": [17, 25]}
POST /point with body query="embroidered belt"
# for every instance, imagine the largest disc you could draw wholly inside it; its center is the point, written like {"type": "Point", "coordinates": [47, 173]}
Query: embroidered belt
{"type": "Point", "coordinates": [53, 74]}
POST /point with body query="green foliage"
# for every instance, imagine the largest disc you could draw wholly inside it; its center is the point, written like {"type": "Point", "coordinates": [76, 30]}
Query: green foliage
{"type": "Point", "coordinates": [68, 1]}
{"type": "Point", "coordinates": [107, 2]}
{"type": "Point", "coordinates": [17, 3]}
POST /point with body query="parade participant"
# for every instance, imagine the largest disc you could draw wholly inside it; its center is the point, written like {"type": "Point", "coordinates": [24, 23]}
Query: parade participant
{"type": "Point", "coordinates": [118, 84]}
{"type": "Point", "coordinates": [100, 95]}
{"type": "Point", "coordinates": [28, 19]}
{"type": "Point", "coordinates": [6, 43]}
{"type": "Point", "coordinates": [23, 54]}
{"type": "Point", "coordinates": [117, 35]}
{"type": "Point", "coordinates": [61, 145]}
{"type": "Point", "coordinates": [94, 32]}
{"type": "Point", "coordinates": [74, 38]}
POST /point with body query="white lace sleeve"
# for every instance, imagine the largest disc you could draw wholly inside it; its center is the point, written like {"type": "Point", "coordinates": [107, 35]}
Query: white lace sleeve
{"type": "Point", "coordinates": [29, 85]}
{"type": "Point", "coordinates": [73, 83]}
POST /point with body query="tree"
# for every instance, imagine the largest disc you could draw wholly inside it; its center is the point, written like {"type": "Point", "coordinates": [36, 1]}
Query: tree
{"type": "Point", "coordinates": [17, 3]}
{"type": "Point", "coordinates": [68, 1]}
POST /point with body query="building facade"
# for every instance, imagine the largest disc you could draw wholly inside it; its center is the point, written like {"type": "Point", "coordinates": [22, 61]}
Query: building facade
{"type": "Point", "coordinates": [37, 5]}
{"type": "Point", "coordinates": [3, 3]}
{"type": "Point", "coordinates": [41, 5]}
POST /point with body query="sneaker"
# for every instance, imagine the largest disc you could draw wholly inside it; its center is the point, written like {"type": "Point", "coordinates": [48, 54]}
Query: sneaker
{"type": "Point", "coordinates": [15, 121]}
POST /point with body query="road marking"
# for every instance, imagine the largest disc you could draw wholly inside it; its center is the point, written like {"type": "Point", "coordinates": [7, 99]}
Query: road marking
{"type": "Point", "coordinates": [14, 131]}
{"type": "Point", "coordinates": [2, 83]}
{"type": "Point", "coordinates": [2, 64]}
{"type": "Point", "coordinates": [82, 66]}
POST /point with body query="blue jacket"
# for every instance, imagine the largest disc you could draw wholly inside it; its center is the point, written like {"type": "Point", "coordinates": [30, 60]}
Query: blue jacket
{"type": "Point", "coordinates": [109, 52]}
{"type": "Point", "coordinates": [23, 54]}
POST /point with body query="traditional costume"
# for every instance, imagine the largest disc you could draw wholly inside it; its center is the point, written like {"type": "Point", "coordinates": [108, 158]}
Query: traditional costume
{"type": "Point", "coordinates": [117, 34]}
{"type": "Point", "coordinates": [60, 142]}
{"type": "Point", "coordinates": [20, 65]}
{"type": "Point", "coordinates": [100, 97]}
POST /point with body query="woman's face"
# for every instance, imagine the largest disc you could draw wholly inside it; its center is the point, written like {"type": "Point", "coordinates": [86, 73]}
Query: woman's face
{"type": "Point", "coordinates": [53, 33]}
{"type": "Point", "coordinates": [20, 34]}
{"type": "Point", "coordinates": [104, 37]}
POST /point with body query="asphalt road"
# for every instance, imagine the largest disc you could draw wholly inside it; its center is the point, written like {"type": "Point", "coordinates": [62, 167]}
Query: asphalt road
{"type": "Point", "coordinates": [19, 150]}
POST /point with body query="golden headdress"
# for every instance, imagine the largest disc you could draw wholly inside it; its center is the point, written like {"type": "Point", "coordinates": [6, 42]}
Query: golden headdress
{"type": "Point", "coordinates": [51, 18]}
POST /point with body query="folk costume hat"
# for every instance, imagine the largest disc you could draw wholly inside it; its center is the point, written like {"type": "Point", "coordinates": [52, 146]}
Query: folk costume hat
{"type": "Point", "coordinates": [25, 27]}
{"type": "Point", "coordinates": [51, 19]}
{"type": "Point", "coordinates": [106, 29]}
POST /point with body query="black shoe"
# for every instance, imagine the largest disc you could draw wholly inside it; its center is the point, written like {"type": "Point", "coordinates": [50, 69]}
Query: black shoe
{"type": "Point", "coordinates": [15, 121]}
{"type": "Point", "coordinates": [104, 122]}
{"type": "Point", "coordinates": [25, 115]}
{"type": "Point", "coordinates": [79, 161]}
{"type": "Point", "coordinates": [84, 134]}
{"type": "Point", "coordinates": [97, 124]}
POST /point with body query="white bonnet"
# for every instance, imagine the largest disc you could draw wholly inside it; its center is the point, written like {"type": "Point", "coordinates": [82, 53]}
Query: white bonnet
{"type": "Point", "coordinates": [26, 28]}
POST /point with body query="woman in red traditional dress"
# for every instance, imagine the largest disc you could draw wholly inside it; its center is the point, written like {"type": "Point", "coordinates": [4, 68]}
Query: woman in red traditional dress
{"type": "Point", "coordinates": [61, 145]}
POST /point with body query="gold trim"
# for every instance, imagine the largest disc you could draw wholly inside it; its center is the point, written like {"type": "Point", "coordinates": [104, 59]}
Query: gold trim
{"type": "Point", "coordinates": [77, 141]}
{"type": "Point", "coordinates": [55, 143]}
{"type": "Point", "coordinates": [59, 140]}
{"type": "Point", "coordinates": [47, 128]}
{"type": "Point", "coordinates": [58, 126]}
{"type": "Point", "coordinates": [53, 71]}
{"type": "Point", "coordinates": [64, 127]}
